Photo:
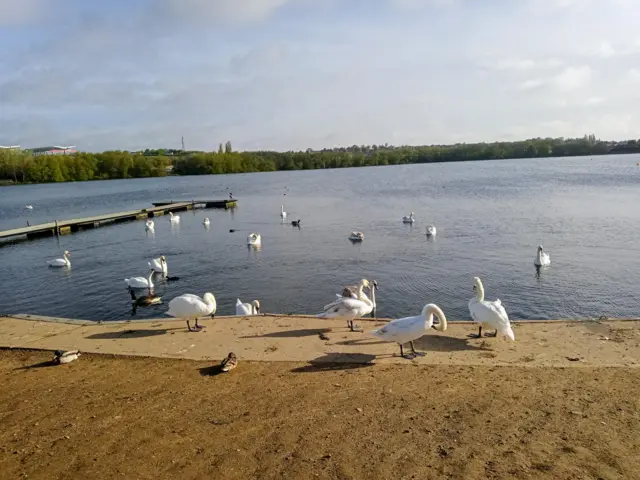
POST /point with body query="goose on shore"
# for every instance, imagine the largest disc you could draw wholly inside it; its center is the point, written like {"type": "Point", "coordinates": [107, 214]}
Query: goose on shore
{"type": "Point", "coordinates": [489, 314]}
{"type": "Point", "coordinates": [60, 262]}
{"type": "Point", "coordinates": [407, 329]}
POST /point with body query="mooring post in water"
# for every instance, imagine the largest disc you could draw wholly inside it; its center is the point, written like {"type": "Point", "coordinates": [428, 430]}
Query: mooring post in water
{"type": "Point", "coordinates": [57, 229]}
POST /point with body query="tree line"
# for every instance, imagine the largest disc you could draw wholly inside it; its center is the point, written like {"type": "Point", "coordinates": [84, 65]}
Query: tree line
{"type": "Point", "coordinates": [24, 167]}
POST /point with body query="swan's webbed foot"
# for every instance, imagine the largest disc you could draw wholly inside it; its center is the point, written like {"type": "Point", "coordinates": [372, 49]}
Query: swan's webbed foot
{"type": "Point", "coordinates": [195, 328]}
{"type": "Point", "coordinates": [414, 352]}
{"type": "Point", "coordinates": [408, 356]}
{"type": "Point", "coordinates": [479, 335]}
{"type": "Point", "coordinates": [356, 328]}
{"type": "Point", "coordinates": [494, 334]}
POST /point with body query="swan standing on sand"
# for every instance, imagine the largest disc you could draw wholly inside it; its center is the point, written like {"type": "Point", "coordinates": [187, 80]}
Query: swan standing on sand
{"type": "Point", "coordinates": [254, 239]}
{"type": "Point", "coordinates": [149, 225]}
{"type": "Point", "coordinates": [407, 329]}
{"type": "Point", "coordinates": [140, 282]}
{"type": "Point", "coordinates": [356, 236]}
{"type": "Point", "coordinates": [252, 308]}
{"type": "Point", "coordinates": [283, 214]}
{"type": "Point", "coordinates": [489, 314]}
{"type": "Point", "coordinates": [60, 262]}
{"type": "Point", "coordinates": [431, 231]}
{"type": "Point", "coordinates": [192, 306]}
{"type": "Point", "coordinates": [159, 265]}
{"type": "Point", "coordinates": [354, 291]}
{"type": "Point", "coordinates": [174, 218]}
{"type": "Point", "coordinates": [542, 259]}
{"type": "Point", "coordinates": [409, 219]}
{"type": "Point", "coordinates": [349, 308]}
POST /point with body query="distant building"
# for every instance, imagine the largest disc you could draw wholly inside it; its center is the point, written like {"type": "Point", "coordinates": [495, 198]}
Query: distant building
{"type": "Point", "coordinates": [10, 147]}
{"type": "Point", "coordinates": [55, 150]}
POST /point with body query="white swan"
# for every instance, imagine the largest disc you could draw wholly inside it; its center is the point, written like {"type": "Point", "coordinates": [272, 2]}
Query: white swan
{"type": "Point", "coordinates": [349, 308]}
{"type": "Point", "coordinates": [191, 306]}
{"type": "Point", "coordinates": [352, 291]}
{"type": "Point", "coordinates": [28, 207]}
{"type": "Point", "coordinates": [407, 329]}
{"type": "Point", "coordinates": [431, 230]}
{"type": "Point", "coordinates": [206, 222]}
{"type": "Point", "coordinates": [283, 214]}
{"type": "Point", "coordinates": [174, 218]}
{"type": "Point", "coordinates": [159, 265]}
{"type": "Point", "coordinates": [60, 262]}
{"type": "Point", "coordinates": [489, 314]}
{"type": "Point", "coordinates": [356, 236]}
{"type": "Point", "coordinates": [149, 225]}
{"type": "Point", "coordinates": [542, 259]}
{"type": "Point", "coordinates": [252, 308]}
{"type": "Point", "coordinates": [140, 282]}
{"type": "Point", "coordinates": [409, 219]}
{"type": "Point", "coordinates": [254, 239]}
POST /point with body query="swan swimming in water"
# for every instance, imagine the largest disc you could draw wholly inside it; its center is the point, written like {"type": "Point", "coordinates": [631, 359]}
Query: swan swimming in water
{"type": "Point", "coordinates": [206, 222]}
{"type": "Point", "coordinates": [191, 306]}
{"type": "Point", "coordinates": [350, 308]}
{"type": "Point", "coordinates": [409, 219]}
{"type": "Point", "coordinates": [140, 282]}
{"type": "Point", "coordinates": [356, 236]}
{"type": "Point", "coordinates": [174, 218]}
{"type": "Point", "coordinates": [159, 265]}
{"type": "Point", "coordinates": [60, 262]}
{"type": "Point", "coordinates": [542, 259]}
{"type": "Point", "coordinates": [489, 314]}
{"type": "Point", "coordinates": [431, 231]}
{"type": "Point", "coordinates": [252, 308]}
{"type": "Point", "coordinates": [149, 225]}
{"type": "Point", "coordinates": [28, 207]}
{"type": "Point", "coordinates": [283, 214]}
{"type": "Point", "coordinates": [407, 329]}
{"type": "Point", "coordinates": [254, 239]}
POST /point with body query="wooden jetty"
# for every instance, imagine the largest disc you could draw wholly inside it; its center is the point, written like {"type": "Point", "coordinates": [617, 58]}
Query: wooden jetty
{"type": "Point", "coordinates": [61, 227]}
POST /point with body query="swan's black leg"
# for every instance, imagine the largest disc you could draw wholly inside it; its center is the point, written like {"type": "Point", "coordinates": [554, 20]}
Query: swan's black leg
{"type": "Point", "coordinates": [189, 326]}
{"type": "Point", "coordinates": [479, 335]}
{"type": "Point", "coordinates": [413, 350]}
{"type": "Point", "coordinates": [408, 356]}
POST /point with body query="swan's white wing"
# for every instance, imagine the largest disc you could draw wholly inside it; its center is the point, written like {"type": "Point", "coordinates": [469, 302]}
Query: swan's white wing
{"type": "Point", "coordinates": [402, 330]}
{"type": "Point", "coordinates": [137, 282]}
{"type": "Point", "coordinates": [344, 307]}
{"type": "Point", "coordinates": [58, 262]}
{"type": "Point", "coordinates": [492, 314]}
{"type": "Point", "coordinates": [244, 309]}
{"type": "Point", "coordinates": [188, 305]}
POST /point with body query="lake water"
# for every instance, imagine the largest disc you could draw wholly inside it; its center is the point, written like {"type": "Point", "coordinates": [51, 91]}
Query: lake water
{"type": "Point", "coordinates": [490, 216]}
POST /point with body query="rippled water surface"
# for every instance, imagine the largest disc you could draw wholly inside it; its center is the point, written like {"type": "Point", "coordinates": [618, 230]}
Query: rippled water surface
{"type": "Point", "coordinates": [490, 218]}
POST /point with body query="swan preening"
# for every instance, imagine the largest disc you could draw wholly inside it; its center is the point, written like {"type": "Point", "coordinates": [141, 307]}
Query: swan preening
{"type": "Point", "coordinates": [246, 309]}
{"type": "Point", "coordinates": [283, 214]}
{"type": "Point", "coordinates": [351, 308]}
{"type": "Point", "coordinates": [409, 219]}
{"type": "Point", "coordinates": [431, 230]}
{"type": "Point", "coordinates": [140, 282]}
{"type": "Point", "coordinates": [407, 329]}
{"type": "Point", "coordinates": [149, 225]}
{"type": "Point", "coordinates": [191, 306]}
{"type": "Point", "coordinates": [489, 314]}
{"type": "Point", "coordinates": [61, 357]}
{"type": "Point", "coordinates": [206, 222]}
{"type": "Point", "coordinates": [60, 262]}
{"type": "Point", "coordinates": [254, 239]}
{"type": "Point", "coordinates": [174, 218]}
{"type": "Point", "coordinates": [356, 236]}
{"type": "Point", "coordinates": [542, 258]}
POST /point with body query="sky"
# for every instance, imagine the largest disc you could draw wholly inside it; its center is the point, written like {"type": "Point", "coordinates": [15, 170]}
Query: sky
{"type": "Point", "coordinates": [297, 74]}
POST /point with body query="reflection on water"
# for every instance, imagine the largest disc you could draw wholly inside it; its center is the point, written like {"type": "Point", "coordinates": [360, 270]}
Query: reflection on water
{"type": "Point", "coordinates": [490, 216]}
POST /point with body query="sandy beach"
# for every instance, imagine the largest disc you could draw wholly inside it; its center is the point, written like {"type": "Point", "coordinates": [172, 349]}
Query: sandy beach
{"type": "Point", "coordinates": [537, 408]}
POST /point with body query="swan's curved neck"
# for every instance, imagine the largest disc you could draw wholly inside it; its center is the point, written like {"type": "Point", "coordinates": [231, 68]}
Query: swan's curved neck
{"type": "Point", "coordinates": [149, 278]}
{"type": "Point", "coordinates": [540, 253]}
{"type": "Point", "coordinates": [432, 310]}
{"type": "Point", "coordinates": [479, 292]}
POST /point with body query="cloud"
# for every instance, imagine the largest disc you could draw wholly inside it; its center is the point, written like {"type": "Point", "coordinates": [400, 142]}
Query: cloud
{"type": "Point", "coordinates": [573, 78]}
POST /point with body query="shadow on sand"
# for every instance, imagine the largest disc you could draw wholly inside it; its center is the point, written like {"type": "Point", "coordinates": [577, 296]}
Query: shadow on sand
{"type": "Point", "coordinates": [305, 332]}
{"type": "Point", "coordinates": [337, 361]}
{"type": "Point", "coordinates": [48, 363]}
{"type": "Point", "coordinates": [211, 371]}
{"type": "Point", "coordinates": [130, 334]}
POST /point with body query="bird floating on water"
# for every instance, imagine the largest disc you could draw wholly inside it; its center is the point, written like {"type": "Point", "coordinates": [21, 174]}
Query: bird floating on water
{"type": "Point", "coordinates": [28, 207]}
{"type": "Point", "coordinates": [431, 231]}
{"type": "Point", "coordinates": [206, 222]}
{"type": "Point", "coordinates": [140, 282]}
{"type": "Point", "coordinates": [254, 239]}
{"type": "Point", "coordinates": [408, 219]}
{"type": "Point", "coordinates": [149, 225]}
{"type": "Point", "coordinates": [174, 218]}
{"type": "Point", "coordinates": [295, 223]}
{"type": "Point", "coordinates": [61, 262]}
{"type": "Point", "coordinates": [283, 214]}
{"type": "Point", "coordinates": [542, 258]}
{"type": "Point", "coordinates": [356, 236]}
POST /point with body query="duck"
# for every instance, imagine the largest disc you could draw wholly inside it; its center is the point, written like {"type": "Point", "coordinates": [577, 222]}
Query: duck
{"type": "Point", "coordinates": [60, 262]}
{"type": "Point", "coordinates": [28, 207]}
{"type": "Point", "coordinates": [542, 258]}
{"type": "Point", "coordinates": [356, 236]}
{"type": "Point", "coordinates": [283, 214]}
{"type": "Point", "coordinates": [61, 356]}
{"type": "Point", "coordinates": [431, 231]}
{"type": "Point", "coordinates": [229, 363]}
{"type": "Point", "coordinates": [145, 300]}
{"type": "Point", "coordinates": [350, 308]}
{"type": "Point", "coordinates": [174, 218]}
{"type": "Point", "coordinates": [408, 219]}
{"type": "Point", "coordinates": [191, 306]}
{"type": "Point", "coordinates": [246, 309]}
{"type": "Point", "coordinates": [140, 282]}
{"type": "Point", "coordinates": [254, 239]}
{"type": "Point", "coordinates": [206, 222]}
{"type": "Point", "coordinates": [159, 265]}
{"type": "Point", "coordinates": [295, 223]}
{"type": "Point", "coordinates": [407, 329]}
{"type": "Point", "coordinates": [489, 314]}
{"type": "Point", "coordinates": [149, 225]}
